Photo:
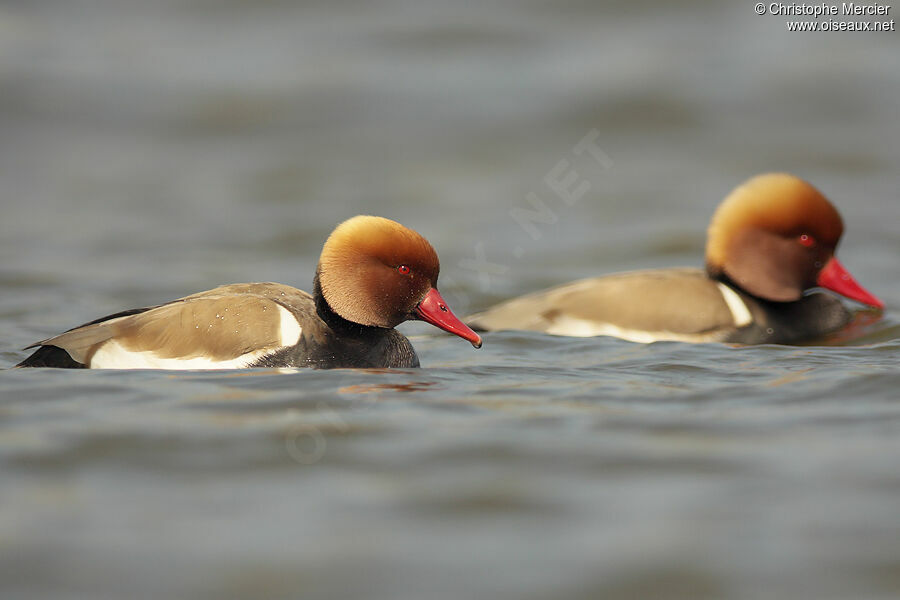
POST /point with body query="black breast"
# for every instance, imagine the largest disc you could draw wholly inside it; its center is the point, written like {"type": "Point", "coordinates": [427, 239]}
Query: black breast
{"type": "Point", "coordinates": [807, 319]}
{"type": "Point", "coordinates": [385, 349]}
{"type": "Point", "coordinates": [328, 341]}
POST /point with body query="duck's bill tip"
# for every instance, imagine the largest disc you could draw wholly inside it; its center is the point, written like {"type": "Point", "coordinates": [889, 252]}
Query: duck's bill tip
{"type": "Point", "coordinates": [432, 309]}
{"type": "Point", "coordinates": [836, 278]}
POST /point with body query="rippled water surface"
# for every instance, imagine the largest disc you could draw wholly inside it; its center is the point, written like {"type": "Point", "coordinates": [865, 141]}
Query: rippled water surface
{"type": "Point", "coordinates": [151, 150]}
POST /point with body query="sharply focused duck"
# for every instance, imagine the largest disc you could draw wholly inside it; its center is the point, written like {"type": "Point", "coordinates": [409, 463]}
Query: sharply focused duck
{"type": "Point", "coordinates": [373, 274]}
{"type": "Point", "coordinates": [769, 242]}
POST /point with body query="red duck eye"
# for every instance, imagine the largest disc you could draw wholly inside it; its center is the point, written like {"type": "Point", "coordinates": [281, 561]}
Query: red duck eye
{"type": "Point", "coordinates": [807, 240]}
{"type": "Point", "coordinates": [404, 270]}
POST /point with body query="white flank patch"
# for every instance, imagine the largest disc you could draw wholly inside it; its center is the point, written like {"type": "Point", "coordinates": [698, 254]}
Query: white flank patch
{"type": "Point", "coordinates": [112, 355]}
{"type": "Point", "coordinates": [290, 327]}
{"type": "Point", "coordinates": [583, 328]}
{"type": "Point", "coordinates": [738, 307]}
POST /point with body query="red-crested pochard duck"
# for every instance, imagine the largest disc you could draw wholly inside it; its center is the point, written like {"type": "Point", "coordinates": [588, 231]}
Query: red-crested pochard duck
{"type": "Point", "coordinates": [373, 274]}
{"type": "Point", "coordinates": [772, 239]}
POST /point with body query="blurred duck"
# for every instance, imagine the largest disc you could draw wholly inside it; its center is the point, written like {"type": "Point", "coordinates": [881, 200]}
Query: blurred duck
{"type": "Point", "coordinates": [373, 274]}
{"type": "Point", "coordinates": [769, 242]}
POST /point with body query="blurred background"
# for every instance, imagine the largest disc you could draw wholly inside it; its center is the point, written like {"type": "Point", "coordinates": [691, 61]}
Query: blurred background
{"type": "Point", "coordinates": [149, 150]}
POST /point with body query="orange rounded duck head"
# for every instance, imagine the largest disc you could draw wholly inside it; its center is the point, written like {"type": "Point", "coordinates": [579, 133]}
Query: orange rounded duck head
{"type": "Point", "coordinates": [376, 272]}
{"type": "Point", "coordinates": [775, 236]}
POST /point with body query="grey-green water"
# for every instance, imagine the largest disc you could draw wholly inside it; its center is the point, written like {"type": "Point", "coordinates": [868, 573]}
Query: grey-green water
{"type": "Point", "coordinates": [150, 150]}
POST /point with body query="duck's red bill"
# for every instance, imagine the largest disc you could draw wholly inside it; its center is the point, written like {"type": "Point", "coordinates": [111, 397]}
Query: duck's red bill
{"type": "Point", "coordinates": [836, 278]}
{"type": "Point", "coordinates": [432, 309]}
